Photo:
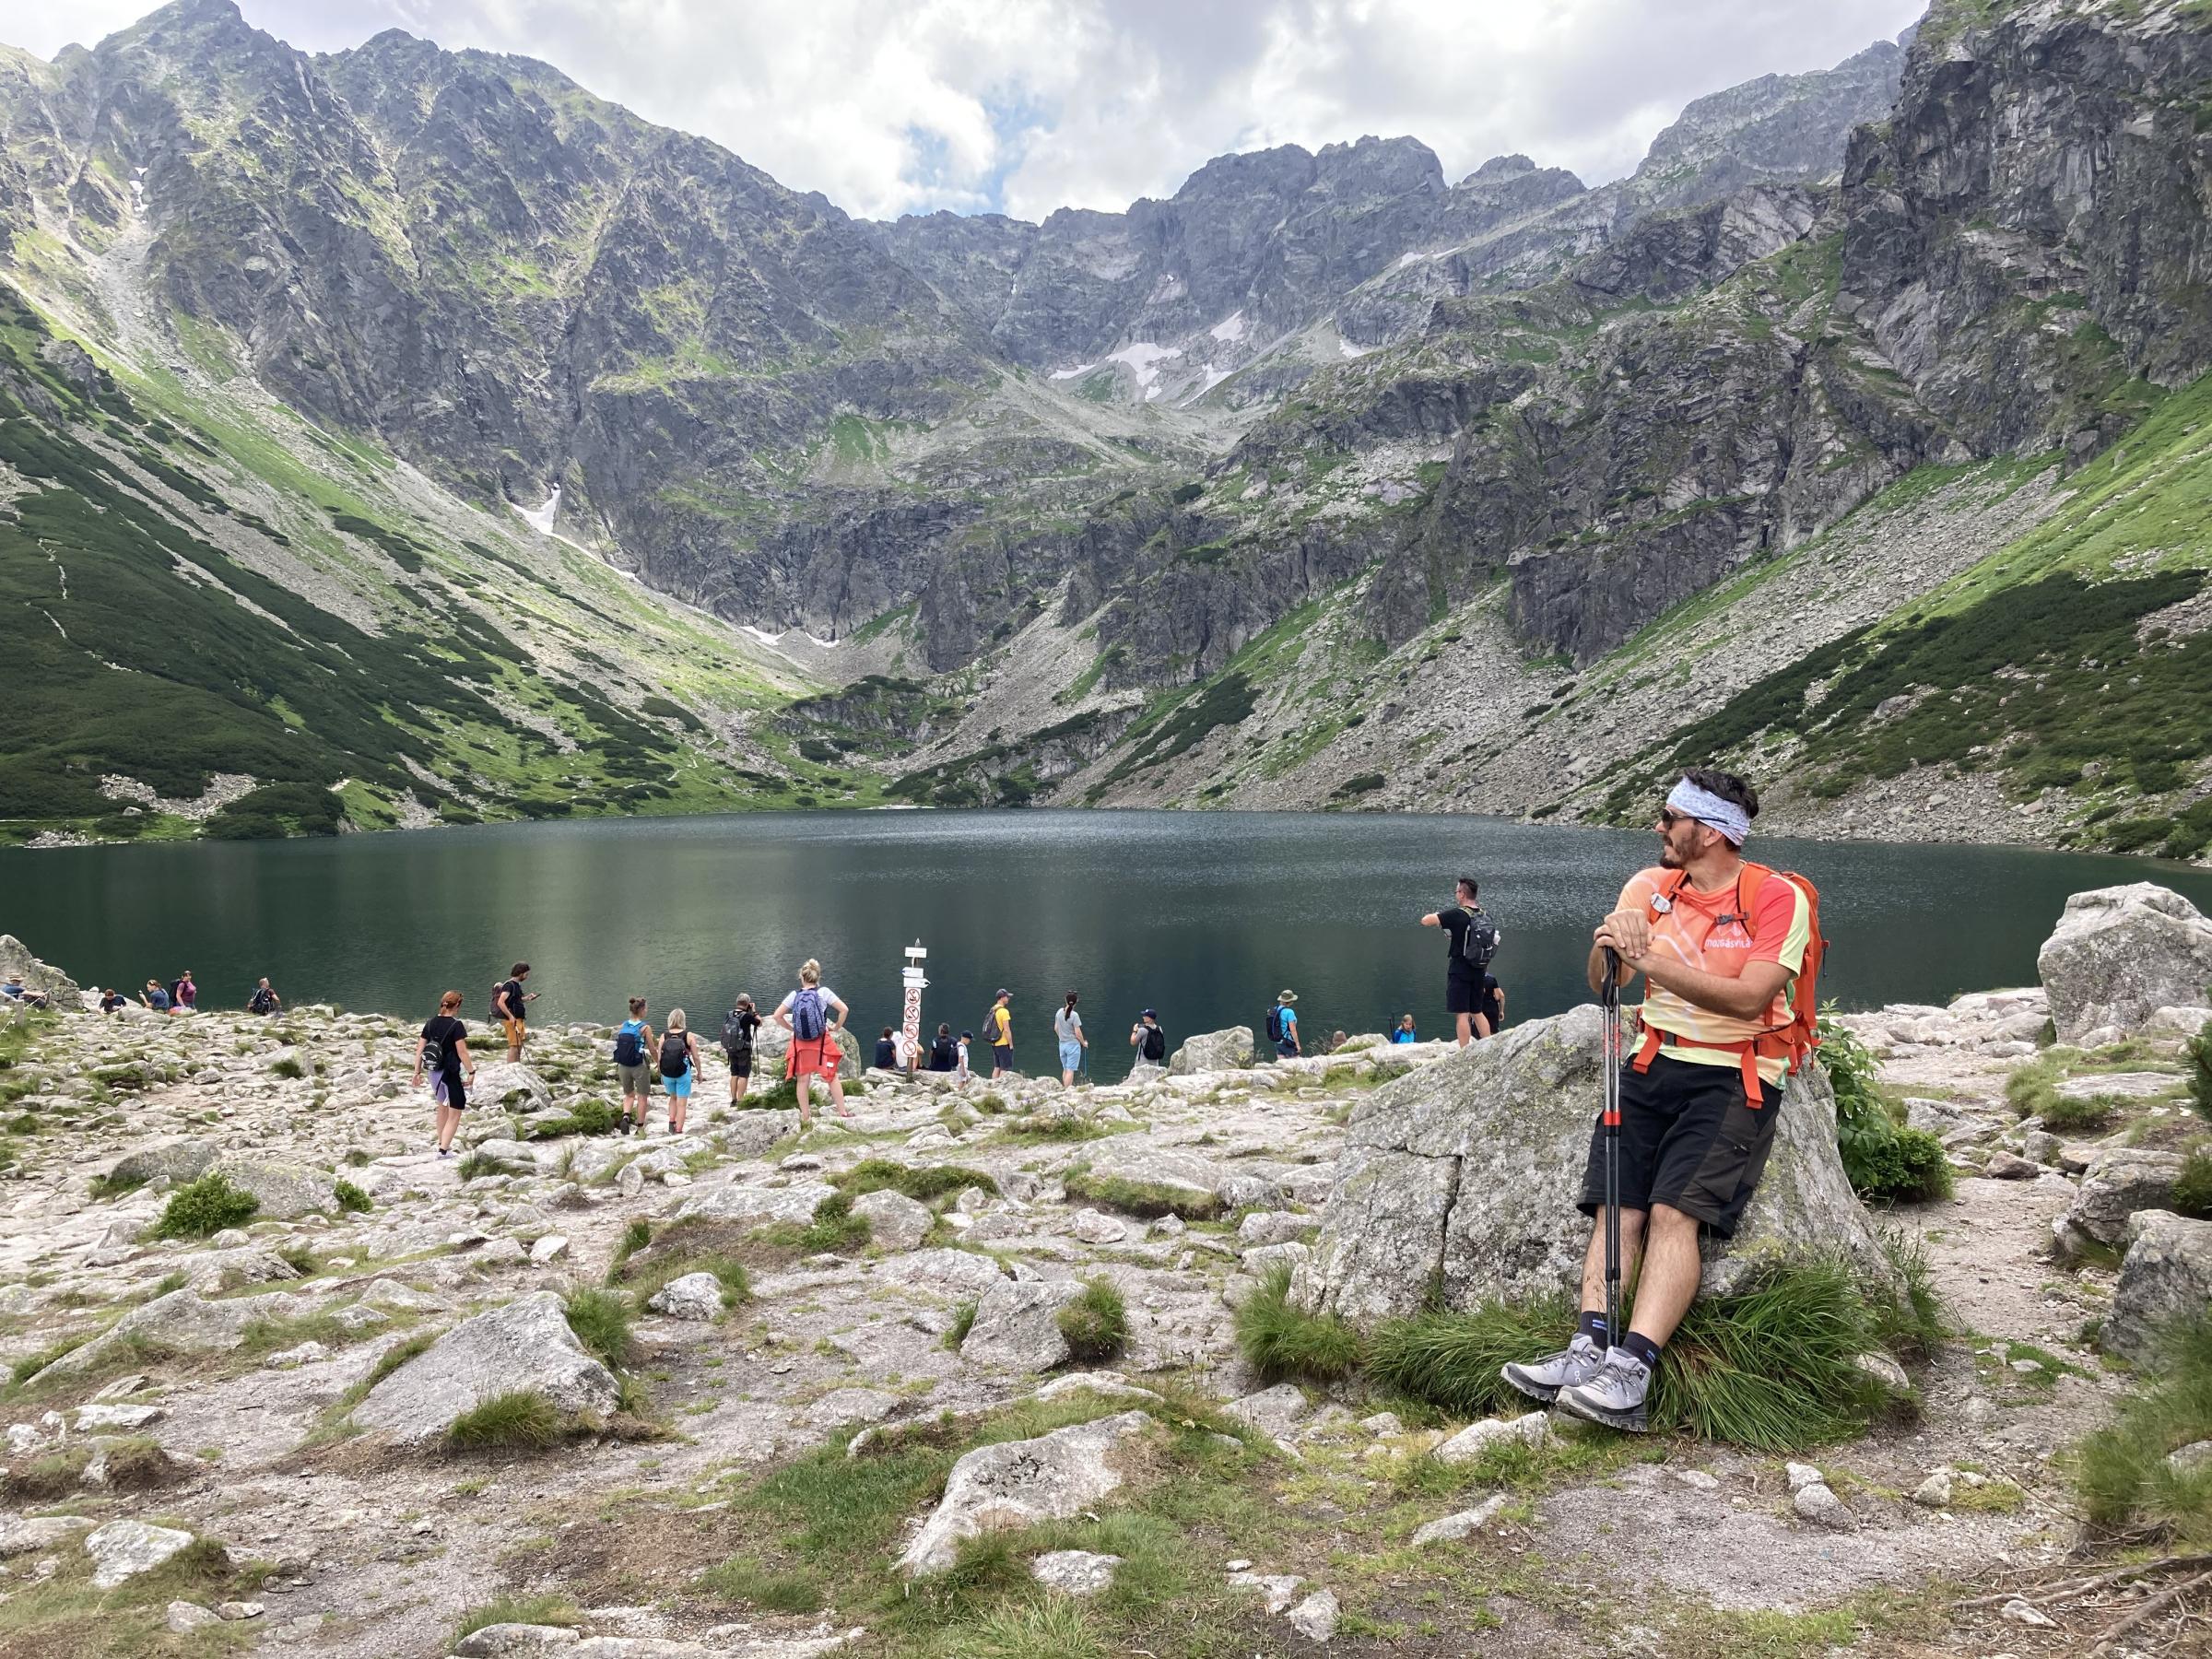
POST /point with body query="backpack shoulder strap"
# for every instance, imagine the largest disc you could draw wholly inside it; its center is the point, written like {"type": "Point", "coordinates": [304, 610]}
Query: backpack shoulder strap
{"type": "Point", "coordinates": [1748, 884]}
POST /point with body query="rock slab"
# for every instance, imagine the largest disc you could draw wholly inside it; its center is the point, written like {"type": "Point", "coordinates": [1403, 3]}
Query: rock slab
{"type": "Point", "coordinates": [1019, 1483]}
{"type": "Point", "coordinates": [2165, 1276]}
{"type": "Point", "coordinates": [2120, 954]}
{"type": "Point", "coordinates": [526, 1345]}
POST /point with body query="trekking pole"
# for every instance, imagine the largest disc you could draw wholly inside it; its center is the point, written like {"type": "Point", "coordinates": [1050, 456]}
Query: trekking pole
{"type": "Point", "coordinates": [1608, 1002]}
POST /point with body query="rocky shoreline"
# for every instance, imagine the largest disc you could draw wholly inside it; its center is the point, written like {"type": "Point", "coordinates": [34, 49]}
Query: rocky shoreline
{"type": "Point", "coordinates": [1022, 1302]}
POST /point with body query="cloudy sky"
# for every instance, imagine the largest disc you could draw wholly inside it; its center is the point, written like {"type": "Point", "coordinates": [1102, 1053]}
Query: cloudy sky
{"type": "Point", "coordinates": [1021, 106]}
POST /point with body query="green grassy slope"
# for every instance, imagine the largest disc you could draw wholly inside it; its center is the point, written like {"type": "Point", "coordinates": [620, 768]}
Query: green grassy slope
{"type": "Point", "coordinates": [189, 588]}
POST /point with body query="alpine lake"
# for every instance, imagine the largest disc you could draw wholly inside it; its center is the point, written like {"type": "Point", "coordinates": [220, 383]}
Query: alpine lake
{"type": "Point", "coordinates": [1203, 916]}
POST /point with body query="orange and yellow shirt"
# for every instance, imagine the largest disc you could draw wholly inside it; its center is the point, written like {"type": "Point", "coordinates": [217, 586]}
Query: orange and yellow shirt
{"type": "Point", "coordinates": [1707, 931]}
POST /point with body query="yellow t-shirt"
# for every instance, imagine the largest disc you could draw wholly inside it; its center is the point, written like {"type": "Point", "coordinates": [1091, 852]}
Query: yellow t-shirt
{"type": "Point", "coordinates": [1706, 931]}
{"type": "Point", "coordinates": [1002, 1029]}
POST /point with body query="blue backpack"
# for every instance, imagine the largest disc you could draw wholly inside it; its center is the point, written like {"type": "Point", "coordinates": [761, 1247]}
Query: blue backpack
{"type": "Point", "coordinates": [806, 1021]}
{"type": "Point", "coordinates": [630, 1043]}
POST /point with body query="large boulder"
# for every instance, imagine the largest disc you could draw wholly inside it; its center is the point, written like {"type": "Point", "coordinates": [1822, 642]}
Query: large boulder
{"type": "Point", "coordinates": [2165, 1277]}
{"type": "Point", "coordinates": [57, 987]}
{"type": "Point", "coordinates": [2115, 1186]}
{"type": "Point", "coordinates": [1016, 1324]}
{"type": "Point", "coordinates": [284, 1191]}
{"type": "Point", "coordinates": [1020, 1484]}
{"type": "Point", "coordinates": [503, 1085]}
{"type": "Point", "coordinates": [1464, 1175]}
{"type": "Point", "coordinates": [123, 1549]}
{"type": "Point", "coordinates": [2120, 954]}
{"type": "Point", "coordinates": [182, 1321]}
{"type": "Point", "coordinates": [1215, 1051]}
{"type": "Point", "coordinates": [762, 1205]}
{"type": "Point", "coordinates": [524, 1346]}
{"type": "Point", "coordinates": [165, 1163]}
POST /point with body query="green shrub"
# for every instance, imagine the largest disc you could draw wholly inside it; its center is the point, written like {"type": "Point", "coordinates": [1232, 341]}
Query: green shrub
{"type": "Point", "coordinates": [288, 1065]}
{"type": "Point", "coordinates": [2126, 1484]}
{"type": "Point", "coordinates": [922, 1182]}
{"type": "Point", "coordinates": [601, 1321]}
{"type": "Point", "coordinates": [517, 1609]}
{"type": "Point", "coordinates": [2199, 1053]}
{"type": "Point", "coordinates": [1772, 1369]}
{"type": "Point", "coordinates": [524, 1421]}
{"type": "Point", "coordinates": [1882, 1159]}
{"type": "Point", "coordinates": [2063, 1112]}
{"type": "Point", "coordinates": [1096, 1323]}
{"type": "Point", "coordinates": [963, 1322]}
{"type": "Point", "coordinates": [1281, 1342]}
{"type": "Point", "coordinates": [351, 1200]}
{"type": "Point", "coordinates": [2192, 1186]}
{"type": "Point", "coordinates": [203, 1206]}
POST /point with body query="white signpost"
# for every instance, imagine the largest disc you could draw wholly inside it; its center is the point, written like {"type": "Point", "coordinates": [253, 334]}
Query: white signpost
{"type": "Point", "coordinates": [915, 980]}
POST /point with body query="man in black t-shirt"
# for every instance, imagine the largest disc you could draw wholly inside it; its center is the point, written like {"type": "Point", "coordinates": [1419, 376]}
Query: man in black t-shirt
{"type": "Point", "coordinates": [1467, 958]}
{"type": "Point", "coordinates": [511, 1003]}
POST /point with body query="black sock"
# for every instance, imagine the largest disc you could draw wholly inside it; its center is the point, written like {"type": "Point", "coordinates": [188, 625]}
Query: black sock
{"type": "Point", "coordinates": [1593, 1325]}
{"type": "Point", "coordinates": [1643, 1348]}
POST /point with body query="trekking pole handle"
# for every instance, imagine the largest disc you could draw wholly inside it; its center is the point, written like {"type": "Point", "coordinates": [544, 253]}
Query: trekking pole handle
{"type": "Point", "coordinates": [1610, 994]}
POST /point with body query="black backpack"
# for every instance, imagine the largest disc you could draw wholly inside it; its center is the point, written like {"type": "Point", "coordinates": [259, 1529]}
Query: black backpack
{"type": "Point", "coordinates": [1155, 1047]}
{"type": "Point", "coordinates": [675, 1054]}
{"type": "Point", "coordinates": [944, 1055]}
{"type": "Point", "coordinates": [1275, 1023]}
{"type": "Point", "coordinates": [261, 999]}
{"type": "Point", "coordinates": [629, 1045]}
{"type": "Point", "coordinates": [433, 1053]}
{"type": "Point", "coordinates": [1478, 940]}
{"type": "Point", "coordinates": [737, 1030]}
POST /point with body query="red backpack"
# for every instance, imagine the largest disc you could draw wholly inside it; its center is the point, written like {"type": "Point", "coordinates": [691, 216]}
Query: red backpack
{"type": "Point", "coordinates": [1795, 1041]}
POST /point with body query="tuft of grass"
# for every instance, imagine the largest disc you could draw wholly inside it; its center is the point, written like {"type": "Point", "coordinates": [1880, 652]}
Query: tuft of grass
{"type": "Point", "coordinates": [693, 1245]}
{"type": "Point", "coordinates": [478, 1164]}
{"type": "Point", "coordinates": [2032, 1089]}
{"type": "Point", "coordinates": [1096, 1324]}
{"type": "Point", "coordinates": [1140, 1197]}
{"type": "Point", "coordinates": [523, 1420]}
{"type": "Point", "coordinates": [834, 1228]}
{"type": "Point", "coordinates": [601, 1321]}
{"type": "Point", "coordinates": [111, 1185]}
{"type": "Point", "coordinates": [2062, 1113]}
{"type": "Point", "coordinates": [2192, 1186]}
{"type": "Point", "coordinates": [744, 1579]}
{"type": "Point", "coordinates": [919, 1182]}
{"type": "Point", "coordinates": [2125, 1482]}
{"type": "Point", "coordinates": [584, 1117]}
{"type": "Point", "coordinates": [1282, 1343]}
{"type": "Point", "coordinates": [963, 1322]}
{"type": "Point", "coordinates": [1915, 1327]}
{"type": "Point", "coordinates": [518, 1610]}
{"type": "Point", "coordinates": [288, 1065]}
{"type": "Point", "coordinates": [1771, 1368]}
{"type": "Point", "coordinates": [351, 1200]}
{"type": "Point", "coordinates": [1052, 1626]}
{"type": "Point", "coordinates": [2198, 1052]}
{"type": "Point", "coordinates": [1031, 1127]}
{"type": "Point", "coordinates": [204, 1206]}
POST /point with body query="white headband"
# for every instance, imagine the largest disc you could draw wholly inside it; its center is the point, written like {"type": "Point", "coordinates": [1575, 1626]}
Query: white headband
{"type": "Point", "coordinates": [1711, 810]}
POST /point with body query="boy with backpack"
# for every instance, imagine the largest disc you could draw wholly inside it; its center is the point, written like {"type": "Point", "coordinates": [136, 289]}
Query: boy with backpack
{"type": "Point", "coordinates": [1282, 1026]}
{"type": "Point", "coordinates": [633, 1065]}
{"type": "Point", "coordinates": [737, 1029]}
{"type": "Point", "coordinates": [812, 1015]}
{"type": "Point", "coordinates": [1471, 940]}
{"type": "Point", "coordinates": [1149, 1041]}
{"type": "Point", "coordinates": [1730, 951]}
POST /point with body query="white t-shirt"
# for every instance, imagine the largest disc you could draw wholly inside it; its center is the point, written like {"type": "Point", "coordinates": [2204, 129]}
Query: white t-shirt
{"type": "Point", "coordinates": [829, 1001]}
{"type": "Point", "coordinates": [1068, 1025]}
{"type": "Point", "coordinates": [903, 1046]}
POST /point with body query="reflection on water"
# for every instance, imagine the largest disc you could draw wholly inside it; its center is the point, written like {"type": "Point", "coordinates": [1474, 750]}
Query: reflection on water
{"type": "Point", "coordinates": [1203, 915]}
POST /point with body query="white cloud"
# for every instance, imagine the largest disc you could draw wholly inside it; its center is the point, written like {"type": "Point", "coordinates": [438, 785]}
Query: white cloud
{"type": "Point", "coordinates": [888, 106]}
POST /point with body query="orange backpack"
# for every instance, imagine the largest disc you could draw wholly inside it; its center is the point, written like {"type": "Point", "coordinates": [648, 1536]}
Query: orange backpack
{"type": "Point", "coordinates": [1801, 1036]}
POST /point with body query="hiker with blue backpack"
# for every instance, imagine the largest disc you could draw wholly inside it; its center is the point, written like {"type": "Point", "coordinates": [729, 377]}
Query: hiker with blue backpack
{"type": "Point", "coordinates": [1471, 940]}
{"type": "Point", "coordinates": [1282, 1026]}
{"type": "Point", "coordinates": [1730, 952]}
{"type": "Point", "coordinates": [812, 1015]}
{"type": "Point", "coordinates": [633, 1065]}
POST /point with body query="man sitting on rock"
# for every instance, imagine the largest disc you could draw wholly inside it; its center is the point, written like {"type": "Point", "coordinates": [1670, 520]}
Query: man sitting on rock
{"type": "Point", "coordinates": [1693, 1142]}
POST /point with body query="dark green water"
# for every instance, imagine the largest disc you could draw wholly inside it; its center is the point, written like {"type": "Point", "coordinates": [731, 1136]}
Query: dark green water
{"type": "Point", "coordinates": [1203, 915]}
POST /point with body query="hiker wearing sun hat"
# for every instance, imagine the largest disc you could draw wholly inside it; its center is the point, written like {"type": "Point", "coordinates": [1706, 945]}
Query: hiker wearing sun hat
{"type": "Point", "coordinates": [1282, 1026]}
{"type": "Point", "coordinates": [1729, 951]}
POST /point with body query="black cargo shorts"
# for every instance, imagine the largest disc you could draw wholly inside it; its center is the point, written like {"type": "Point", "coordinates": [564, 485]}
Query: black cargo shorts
{"type": "Point", "coordinates": [1688, 1139]}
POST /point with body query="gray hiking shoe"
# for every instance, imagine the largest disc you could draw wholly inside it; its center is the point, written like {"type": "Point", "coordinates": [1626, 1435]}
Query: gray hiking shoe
{"type": "Point", "coordinates": [1542, 1379]}
{"type": "Point", "coordinates": [1615, 1397]}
